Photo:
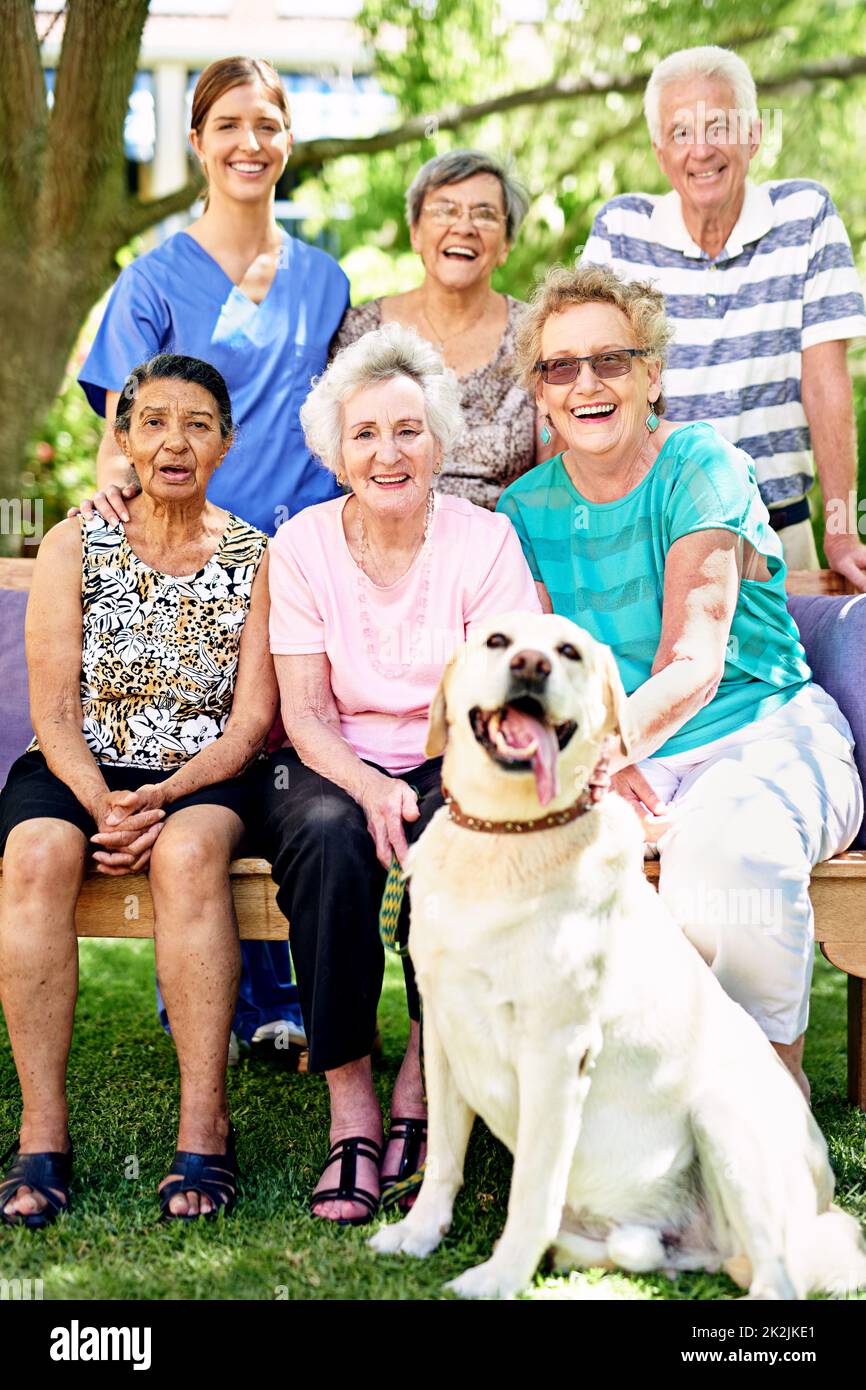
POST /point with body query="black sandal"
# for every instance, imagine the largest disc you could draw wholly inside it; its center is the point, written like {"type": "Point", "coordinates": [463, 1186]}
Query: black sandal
{"type": "Point", "coordinates": [349, 1151]}
{"type": "Point", "coordinates": [214, 1176]}
{"type": "Point", "coordinates": [408, 1178]}
{"type": "Point", "coordinates": [41, 1172]}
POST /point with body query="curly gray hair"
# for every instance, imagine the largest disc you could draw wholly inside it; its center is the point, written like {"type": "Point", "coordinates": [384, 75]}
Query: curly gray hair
{"type": "Point", "coordinates": [641, 303]}
{"type": "Point", "coordinates": [385, 353]}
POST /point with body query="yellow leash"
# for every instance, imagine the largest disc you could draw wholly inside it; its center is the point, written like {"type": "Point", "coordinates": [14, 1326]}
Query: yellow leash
{"type": "Point", "coordinates": [389, 912]}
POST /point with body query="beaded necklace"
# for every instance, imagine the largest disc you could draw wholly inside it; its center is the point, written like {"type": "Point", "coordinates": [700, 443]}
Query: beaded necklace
{"type": "Point", "coordinates": [393, 673]}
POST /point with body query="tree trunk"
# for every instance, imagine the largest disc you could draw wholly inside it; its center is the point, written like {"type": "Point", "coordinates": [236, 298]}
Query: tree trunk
{"type": "Point", "coordinates": [44, 298]}
{"type": "Point", "coordinates": [64, 207]}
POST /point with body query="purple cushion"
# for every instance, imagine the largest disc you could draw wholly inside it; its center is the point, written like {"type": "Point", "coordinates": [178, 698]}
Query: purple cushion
{"type": "Point", "coordinates": [833, 631]}
{"type": "Point", "coordinates": [15, 730]}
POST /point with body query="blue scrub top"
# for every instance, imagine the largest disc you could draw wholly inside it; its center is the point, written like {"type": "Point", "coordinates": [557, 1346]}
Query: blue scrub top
{"type": "Point", "coordinates": [176, 298]}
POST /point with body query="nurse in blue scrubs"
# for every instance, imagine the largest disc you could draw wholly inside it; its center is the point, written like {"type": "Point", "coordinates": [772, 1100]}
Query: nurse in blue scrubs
{"type": "Point", "coordinates": [235, 290]}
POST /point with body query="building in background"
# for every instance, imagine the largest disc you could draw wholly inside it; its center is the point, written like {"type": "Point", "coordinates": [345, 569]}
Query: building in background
{"type": "Point", "coordinates": [314, 44]}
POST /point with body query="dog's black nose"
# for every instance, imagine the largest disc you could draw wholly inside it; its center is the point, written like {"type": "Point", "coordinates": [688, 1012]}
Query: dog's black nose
{"type": "Point", "coordinates": [530, 668]}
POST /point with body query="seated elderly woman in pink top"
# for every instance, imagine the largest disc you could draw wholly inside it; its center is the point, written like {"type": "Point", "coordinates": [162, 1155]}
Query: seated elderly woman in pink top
{"type": "Point", "coordinates": [370, 595]}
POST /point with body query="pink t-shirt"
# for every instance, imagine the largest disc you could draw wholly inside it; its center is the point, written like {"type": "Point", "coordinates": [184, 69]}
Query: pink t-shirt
{"type": "Point", "coordinates": [476, 570]}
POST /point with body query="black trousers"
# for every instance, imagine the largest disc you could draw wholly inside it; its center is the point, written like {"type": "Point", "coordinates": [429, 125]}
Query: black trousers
{"type": "Point", "coordinates": [330, 886]}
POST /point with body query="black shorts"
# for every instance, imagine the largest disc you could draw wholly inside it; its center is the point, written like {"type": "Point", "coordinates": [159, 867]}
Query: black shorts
{"type": "Point", "coordinates": [32, 791]}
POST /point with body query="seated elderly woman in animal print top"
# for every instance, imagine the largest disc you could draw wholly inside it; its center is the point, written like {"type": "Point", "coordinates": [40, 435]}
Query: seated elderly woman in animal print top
{"type": "Point", "coordinates": [151, 690]}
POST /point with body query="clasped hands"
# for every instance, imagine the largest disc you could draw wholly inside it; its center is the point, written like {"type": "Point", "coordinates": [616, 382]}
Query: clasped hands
{"type": "Point", "coordinates": [128, 824]}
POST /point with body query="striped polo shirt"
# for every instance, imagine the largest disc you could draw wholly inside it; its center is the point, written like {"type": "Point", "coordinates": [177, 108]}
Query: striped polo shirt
{"type": "Point", "coordinates": [784, 281]}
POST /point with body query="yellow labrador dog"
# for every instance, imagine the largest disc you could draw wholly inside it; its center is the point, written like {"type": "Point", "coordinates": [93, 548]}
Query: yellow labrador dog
{"type": "Point", "coordinates": [651, 1123]}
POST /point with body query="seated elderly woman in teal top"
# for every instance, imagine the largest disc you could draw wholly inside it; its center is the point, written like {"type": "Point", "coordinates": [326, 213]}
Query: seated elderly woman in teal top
{"type": "Point", "coordinates": [654, 538]}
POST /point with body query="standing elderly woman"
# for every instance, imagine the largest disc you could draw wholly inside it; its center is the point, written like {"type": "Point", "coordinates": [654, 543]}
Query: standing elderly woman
{"type": "Point", "coordinates": [151, 690]}
{"type": "Point", "coordinates": [370, 595]}
{"type": "Point", "coordinates": [464, 210]}
{"type": "Point", "coordinates": [655, 539]}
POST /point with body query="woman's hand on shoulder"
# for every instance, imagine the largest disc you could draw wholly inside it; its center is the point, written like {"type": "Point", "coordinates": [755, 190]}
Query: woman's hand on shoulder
{"type": "Point", "coordinates": [128, 825]}
{"type": "Point", "coordinates": [387, 802]}
{"type": "Point", "coordinates": [110, 504]}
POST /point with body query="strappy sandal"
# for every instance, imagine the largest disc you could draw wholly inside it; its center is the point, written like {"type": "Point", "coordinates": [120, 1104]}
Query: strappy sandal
{"type": "Point", "coordinates": [41, 1172]}
{"type": "Point", "coordinates": [408, 1178]}
{"type": "Point", "coordinates": [214, 1176]}
{"type": "Point", "coordinates": [349, 1151]}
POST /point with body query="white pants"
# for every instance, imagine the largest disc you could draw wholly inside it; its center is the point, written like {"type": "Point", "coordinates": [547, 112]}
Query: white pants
{"type": "Point", "coordinates": [750, 815]}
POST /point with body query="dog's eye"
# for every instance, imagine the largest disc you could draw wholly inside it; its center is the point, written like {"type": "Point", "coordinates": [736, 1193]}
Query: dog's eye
{"type": "Point", "coordinates": [498, 639]}
{"type": "Point", "coordinates": [570, 652]}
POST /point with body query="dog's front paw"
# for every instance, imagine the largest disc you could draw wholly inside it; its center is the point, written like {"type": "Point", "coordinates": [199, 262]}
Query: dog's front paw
{"type": "Point", "coordinates": [489, 1280]}
{"type": "Point", "coordinates": [405, 1239]}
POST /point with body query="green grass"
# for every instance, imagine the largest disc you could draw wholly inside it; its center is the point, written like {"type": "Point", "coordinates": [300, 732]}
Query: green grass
{"type": "Point", "coordinates": [123, 1091]}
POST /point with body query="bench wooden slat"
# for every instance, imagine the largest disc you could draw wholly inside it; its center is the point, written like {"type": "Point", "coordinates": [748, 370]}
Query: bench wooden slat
{"type": "Point", "coordinates": [857, 1041]}
{"type": "Point", "coordinates": [817, 582]}
{"type": "Point", "coordinates": [851, 864]}
{"type": "Point", "coordinates": [838, 893]}
{"type": "Point", "coordinates": [121, 907]}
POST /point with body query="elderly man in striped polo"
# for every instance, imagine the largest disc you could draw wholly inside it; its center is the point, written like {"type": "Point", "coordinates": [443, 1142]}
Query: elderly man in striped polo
{"type": "Point", "coordinates": [760, 286]}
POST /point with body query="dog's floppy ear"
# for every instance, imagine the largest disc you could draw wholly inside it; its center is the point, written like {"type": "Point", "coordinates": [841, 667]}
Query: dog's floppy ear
{"type": "Point", "coordinates": [617, 721]}
{"type": "Point", "coordinates": [437, 725]}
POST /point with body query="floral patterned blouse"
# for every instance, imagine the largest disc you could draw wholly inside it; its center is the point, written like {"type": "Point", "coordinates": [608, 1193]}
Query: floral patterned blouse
{"type": "Point", "coordinates": [160, 651]}
{"type": "Point", "coordinates": [497, 444]}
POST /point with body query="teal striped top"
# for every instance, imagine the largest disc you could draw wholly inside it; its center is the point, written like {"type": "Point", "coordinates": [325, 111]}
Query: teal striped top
{"type": "Point", "coordinates": [603, 564]}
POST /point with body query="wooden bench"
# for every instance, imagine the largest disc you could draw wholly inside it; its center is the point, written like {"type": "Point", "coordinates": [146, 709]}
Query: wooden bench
{"type": "Point", "coordinates": [121, 907]}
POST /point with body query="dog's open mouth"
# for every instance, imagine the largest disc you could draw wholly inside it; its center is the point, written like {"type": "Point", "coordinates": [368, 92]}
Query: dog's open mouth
{"type": "Point", "coordinates": [520, 737]}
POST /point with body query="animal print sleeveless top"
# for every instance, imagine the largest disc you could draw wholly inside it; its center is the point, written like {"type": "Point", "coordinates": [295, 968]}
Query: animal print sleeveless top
{"type": "Point", "coordinates": [160, 651]}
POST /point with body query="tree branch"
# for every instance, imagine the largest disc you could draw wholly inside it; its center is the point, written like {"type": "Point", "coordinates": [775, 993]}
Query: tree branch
{"type": "Point", "coordinates": [138, 216]}
{"type": "Point", "coordinates": [85, 168]}
{"type": "Point", "coordinates": [23, 115]}
{"type": "Point", "coordinates": [312, 154]}
{"type": "Point", "coordinates": [809, 73]}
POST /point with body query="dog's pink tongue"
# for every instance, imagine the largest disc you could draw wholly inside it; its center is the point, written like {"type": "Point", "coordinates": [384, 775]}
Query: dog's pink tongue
{"type": "Point", "coordinates": [520, 730]}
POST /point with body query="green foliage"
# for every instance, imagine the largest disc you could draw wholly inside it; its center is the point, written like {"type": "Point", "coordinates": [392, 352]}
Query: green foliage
{"type": "Point", "coordinates": [60, 467]}
{"type": "Point", "coordinates": [61, 462]}
{"type": "Point", "coordinates": [572, 154]}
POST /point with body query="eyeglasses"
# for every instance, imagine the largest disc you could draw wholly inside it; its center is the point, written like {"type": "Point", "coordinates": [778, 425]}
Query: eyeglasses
{"type": "Point", "coordinates": [484, 217]}
{"type": "Point", "coordinates": [562, 371]}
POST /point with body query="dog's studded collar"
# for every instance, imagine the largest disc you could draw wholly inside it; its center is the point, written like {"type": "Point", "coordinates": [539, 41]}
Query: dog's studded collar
{"type": "Point", "coordinates": [577, 808]}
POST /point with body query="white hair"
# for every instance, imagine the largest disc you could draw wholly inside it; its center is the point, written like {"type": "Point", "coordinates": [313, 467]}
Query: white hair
{"type": "Point", "coordinates": [382, 355]}
{"type": "Point", "coordinates": [707, 61]}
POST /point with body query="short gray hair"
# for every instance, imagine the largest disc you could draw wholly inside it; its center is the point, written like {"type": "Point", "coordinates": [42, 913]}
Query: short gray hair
{"type": "Point", "coordinates": [707, 61]}
{"type": "Point", "coordinates": [454, 167]}
{"type": "Point", "coordinates": [387, 352]}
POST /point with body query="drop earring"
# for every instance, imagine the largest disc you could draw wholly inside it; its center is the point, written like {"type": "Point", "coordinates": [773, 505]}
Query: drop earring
{"type": "Point", "coordinates": [652, 420]}
{"type": "Point", "coordinates": [546, 436]}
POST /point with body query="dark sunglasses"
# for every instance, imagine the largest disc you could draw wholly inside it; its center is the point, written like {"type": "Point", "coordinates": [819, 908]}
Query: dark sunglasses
{"type": "Point", "coordinates": [562, 371]}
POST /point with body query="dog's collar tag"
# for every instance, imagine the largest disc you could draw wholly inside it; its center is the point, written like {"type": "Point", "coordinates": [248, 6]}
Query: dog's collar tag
{"type": "Point", "coordinates": [577, 808]}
